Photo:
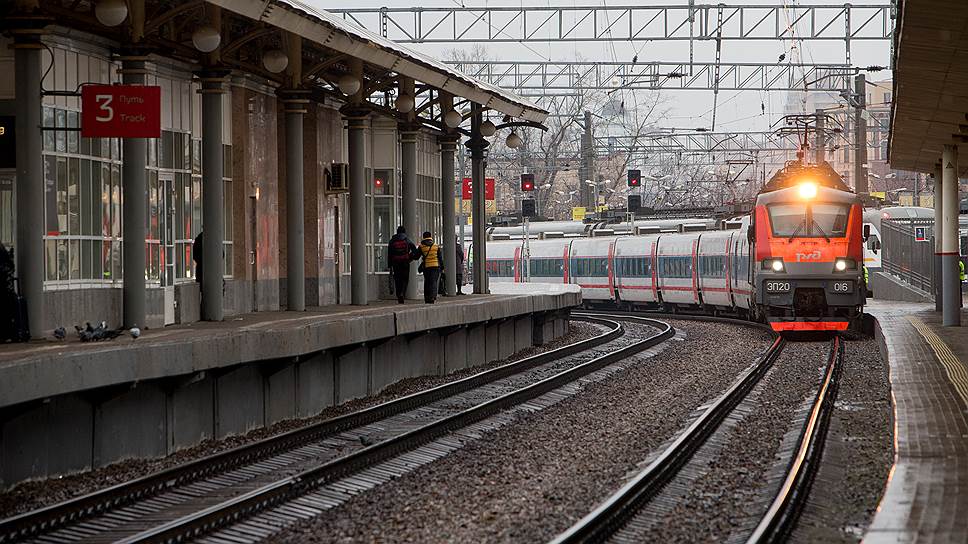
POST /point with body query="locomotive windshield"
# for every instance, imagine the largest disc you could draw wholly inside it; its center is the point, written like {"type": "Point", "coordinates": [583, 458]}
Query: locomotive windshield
{"type": "Point", "coordinates": [818, 219]}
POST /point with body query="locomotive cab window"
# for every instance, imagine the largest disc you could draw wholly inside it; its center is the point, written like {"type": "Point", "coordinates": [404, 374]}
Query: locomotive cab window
{"type": "Point", "coordinates": [809, 221]}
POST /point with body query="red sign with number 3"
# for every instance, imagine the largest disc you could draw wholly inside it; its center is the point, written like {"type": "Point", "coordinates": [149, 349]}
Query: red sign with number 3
{"type": "Point", "coordinates": [121, 111]}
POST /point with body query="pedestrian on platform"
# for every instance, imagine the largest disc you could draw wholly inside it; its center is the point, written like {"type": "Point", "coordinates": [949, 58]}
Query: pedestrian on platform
{"type": "Point", "coordinates": [433, 261]}
{"type": "Point", "coordinates": [460, 268]}
{"type": "Point", "coordinates": [197, 256]}
{"type": "Point", "coordinates": [400, 252]}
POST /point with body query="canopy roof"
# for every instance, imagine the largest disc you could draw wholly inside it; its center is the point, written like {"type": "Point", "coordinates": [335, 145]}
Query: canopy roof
{"type": "Point", "coordinates": [930, 83]}
{"type": "Point", "coordinates": [331, 31]}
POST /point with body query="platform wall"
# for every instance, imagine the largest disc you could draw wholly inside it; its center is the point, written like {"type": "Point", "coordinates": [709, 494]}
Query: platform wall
{"type": "Point", "coordinates": [88, 427]}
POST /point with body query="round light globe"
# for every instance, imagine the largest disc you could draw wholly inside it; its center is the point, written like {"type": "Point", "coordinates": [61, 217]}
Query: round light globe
{"type": "Point", "coordinates": [275, 60]}
{"type": "Point", "coordinates": [111, 12]}
{"type": "Point", "coordinates": [349, 84]}
{"type": "Point", "coordinates": [513, 141]}
{"type": "Point", "coordinates": [453, 119]}
{"type": "Point", "coordinates": [206, 39]}
{"type": "Point", "coordinates": [404, 103]}
{"type": "Point", "coordinates": [488, 129]}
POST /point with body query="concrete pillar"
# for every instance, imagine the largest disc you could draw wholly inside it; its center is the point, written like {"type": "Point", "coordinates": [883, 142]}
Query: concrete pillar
{"type": "Point", "coordinates": [448, 144]}
{"type": "Point", "coordinates": [938, 199]}
{"type": "Point", "coordinates": [408, 163]}
{"type": "Point", "coordinates": [29, 249]}
{"type": "Point", "coordinates": [295, 108]}
{"type": "Point", "coordinates": [357, 153]}
{"type": "Point", "coordinates": [951, 284]}
{"type": "Point", "coordinates": [213, 213]}
{"type": "Point", "coordinates": [477, 145]}
{"type": "Point", "coordinates": [134, 183]}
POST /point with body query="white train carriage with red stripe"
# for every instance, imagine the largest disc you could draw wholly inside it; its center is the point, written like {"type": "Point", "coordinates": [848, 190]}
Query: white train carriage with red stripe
{"type": "Point", "coordinates": [590, 267]}
{"type": "Point", "coordinates": [676, 264]}
{"type": "Point", "coordinates": [636, 280]}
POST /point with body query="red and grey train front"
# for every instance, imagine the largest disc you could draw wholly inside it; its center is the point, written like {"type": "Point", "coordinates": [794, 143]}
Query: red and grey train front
{"type": "Point", "coordinates": [808, 243]}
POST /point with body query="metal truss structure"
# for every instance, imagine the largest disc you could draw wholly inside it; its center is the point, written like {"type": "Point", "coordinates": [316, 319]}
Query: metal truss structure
{"type": "Point", "coordinates": [697, 142]}
{"type": "Point", "coordinates": [547, 77]}
{"type": "Point", "coordinates": [845, 22]}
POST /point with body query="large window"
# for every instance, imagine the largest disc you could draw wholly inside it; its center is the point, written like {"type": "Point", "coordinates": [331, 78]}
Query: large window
{"type": "Point", "coordinates": [809, 221]}
{"type": "Point", "coordinates": [82, 183]}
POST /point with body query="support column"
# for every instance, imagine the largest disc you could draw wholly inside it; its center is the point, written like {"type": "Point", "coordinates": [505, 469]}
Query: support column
{"type": "Point", "coordinates": [860, 137]}
{"type": "Point", "coordinates": [134, 184]}
{"type": "Point", "coordinates": [477, 144]}
{"type": "Point", "coordinates": [820, 137]}
{"type": "Point", "coordinates": [408, 163]}
{"type": "Point", "coordinates": [357, 154]}
{"type": "Point", "coordinates": [936, 277]}
{"type": "Point", "coordinates": [295, 101]}
{"type": "Point", "coordinates": [951, 283]}
{"type": "Point", "coordinates": [29, 249]}
{"type": "Point", "coordinates": [213, 213]}
{"type": "Point", "coordinates": [448, 144]}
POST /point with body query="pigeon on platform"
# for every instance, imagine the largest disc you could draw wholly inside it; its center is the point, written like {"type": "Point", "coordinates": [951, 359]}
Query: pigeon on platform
{"type": "Point", "coordinates": [60, 333]}
{"type": "Point", "coordinates": [135, 332]}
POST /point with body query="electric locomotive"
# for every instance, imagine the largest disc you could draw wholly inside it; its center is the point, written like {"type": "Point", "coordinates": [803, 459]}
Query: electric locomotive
{"type": "Point", "coordinates": [807, 239]}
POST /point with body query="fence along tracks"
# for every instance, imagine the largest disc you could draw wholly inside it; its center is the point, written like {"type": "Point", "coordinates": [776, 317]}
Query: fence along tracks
{"type": "Point", "coordinates": [779, 520]}
{"type": "Point", "coordinates": [85, 517]}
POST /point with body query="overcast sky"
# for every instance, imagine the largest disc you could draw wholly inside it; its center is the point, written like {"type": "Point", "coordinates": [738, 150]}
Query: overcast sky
{"type": "Point", "coordinates": [736, 111]}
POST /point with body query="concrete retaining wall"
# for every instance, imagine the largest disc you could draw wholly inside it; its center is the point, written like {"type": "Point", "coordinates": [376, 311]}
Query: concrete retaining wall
{"type": "Point", "coordinates": [87, 426]}
{"type": "Point", "coordinates": [888, 287]}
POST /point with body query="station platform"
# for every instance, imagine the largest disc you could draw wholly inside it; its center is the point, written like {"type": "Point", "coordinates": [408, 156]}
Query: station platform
{"type": "Point", "coordinates": [927, 491]}
{"type": "Point", "coordinates": [69, 405]}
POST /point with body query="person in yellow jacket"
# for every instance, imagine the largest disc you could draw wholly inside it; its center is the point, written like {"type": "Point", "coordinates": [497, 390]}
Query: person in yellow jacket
{"type": "Point", "coordinates": [433, 263]}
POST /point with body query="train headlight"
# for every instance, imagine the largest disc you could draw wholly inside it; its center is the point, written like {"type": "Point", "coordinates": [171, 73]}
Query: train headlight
{"type": "Point", "coordinates": [842, 264]}
{"type": "Point", "coordinates": [775, 265]}
{"type": "Point", "coordinates": [808, 190]}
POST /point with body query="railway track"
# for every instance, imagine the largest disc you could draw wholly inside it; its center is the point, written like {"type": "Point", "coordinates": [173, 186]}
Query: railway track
{"type": "Point", "coordinates": [194, 499]}
{"type": "Point", "coordinates": [617, 517]}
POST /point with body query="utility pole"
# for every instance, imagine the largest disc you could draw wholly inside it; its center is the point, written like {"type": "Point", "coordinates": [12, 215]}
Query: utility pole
{"type": "Point", "coordinates": [586, 169]}
{"type": "Point", "coordinates": [860, 136]}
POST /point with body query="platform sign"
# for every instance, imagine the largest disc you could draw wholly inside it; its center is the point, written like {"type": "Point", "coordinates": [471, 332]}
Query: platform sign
{"type": "Point", "coordinates": [467, 188]}
{"type": "Point", "coordinates": [121, 111]}
{"type": "Point", "coordinates": [8, 142]}
{"type": "Point", "coordinates": [920, 234]}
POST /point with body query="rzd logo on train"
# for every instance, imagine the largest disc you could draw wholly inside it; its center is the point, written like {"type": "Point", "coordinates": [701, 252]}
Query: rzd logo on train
{"type": "Point", "coordinates": [812, 256]}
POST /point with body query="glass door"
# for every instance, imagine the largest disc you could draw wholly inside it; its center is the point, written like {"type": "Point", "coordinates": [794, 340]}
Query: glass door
{"type": "Point", "coordinates": [166, 202]}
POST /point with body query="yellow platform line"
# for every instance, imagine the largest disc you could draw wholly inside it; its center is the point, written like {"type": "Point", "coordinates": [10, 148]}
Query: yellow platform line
{"type": "Point", "coordinates": [957, 373]}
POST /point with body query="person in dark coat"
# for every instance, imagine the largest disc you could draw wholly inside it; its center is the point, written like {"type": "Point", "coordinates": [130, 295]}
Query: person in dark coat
{"type": "Point", "coordinates": [400, 251]}
{"type": "Point", "coordinates": [460, 268]}
{"type": "Point", "coordinates": [433, 263]}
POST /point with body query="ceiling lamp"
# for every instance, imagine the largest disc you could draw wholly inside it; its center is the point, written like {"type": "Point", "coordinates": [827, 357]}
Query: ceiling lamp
{"type": "Point", "coordinates": [488, 129]}
{"type": "Point", "coordinates": [275, 60]}
{"type": "Point", "coordinates": [513, 141]}
{"type": "Point", "coordinates": [111, 12]}
{"type": "Point", "coordinates": [453, 119]}
{"type": "Point", "coordinates": [349, 84]}
{"type": "Point", "coordinates": [206, 39]}
{"type": "Point", "coordinates": [404, 103]}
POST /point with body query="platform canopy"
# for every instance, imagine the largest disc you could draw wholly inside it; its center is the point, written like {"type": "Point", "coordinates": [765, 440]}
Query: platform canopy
{"type": "Point", "coordinates": [334, 33]}
{"type": "Point", "coordinates": [930, 83]}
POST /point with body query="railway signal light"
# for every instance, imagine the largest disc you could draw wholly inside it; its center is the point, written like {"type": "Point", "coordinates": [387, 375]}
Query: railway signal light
{"type": "Point", "coordinates": [635, 178]}
{"type": "Point", "coordinates": [527, 182]}
{"type": "Point", "coordinates": [635, 202]}
{"type": "Point", "coordinates": [528, 208]}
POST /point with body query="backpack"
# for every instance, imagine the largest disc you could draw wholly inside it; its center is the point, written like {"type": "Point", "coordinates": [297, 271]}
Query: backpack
{"type": "Point", "coordinates": [400, 251]}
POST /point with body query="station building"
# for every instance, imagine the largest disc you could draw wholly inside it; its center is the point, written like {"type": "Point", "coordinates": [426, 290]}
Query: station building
{"type": "Point", "coordinates": [78, 223]}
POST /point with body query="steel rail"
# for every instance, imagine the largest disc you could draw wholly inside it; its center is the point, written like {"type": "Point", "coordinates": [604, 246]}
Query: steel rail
{"type": "Point", "coordinates": [611, 515]}
{"type": "Point", "coordinates": [784, 511]}
{"type": "Point", "coordinates": [47, 519]}
{"type": "Point", "coordinates": [238, 508]}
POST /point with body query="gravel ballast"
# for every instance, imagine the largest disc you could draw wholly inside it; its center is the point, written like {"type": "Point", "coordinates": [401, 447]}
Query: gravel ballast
{"type": "Point", "coordinates": [36, 494]}
{"type": "Point", "coordinates": [858, 453]}
{"type": "Point", "coordinates": [724, 490]}
{"type": "Point", "coordinates": [532, 479]}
